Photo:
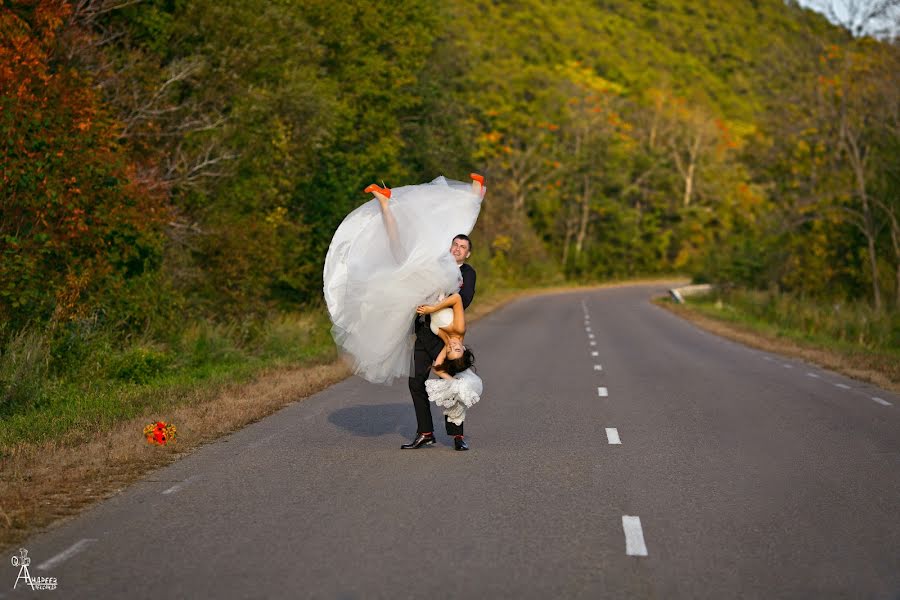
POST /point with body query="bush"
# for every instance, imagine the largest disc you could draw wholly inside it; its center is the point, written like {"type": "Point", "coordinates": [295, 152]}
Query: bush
{"type": "Point", "coordinates": [138, 365]}
{"type": "Point", "coordinates": [24, 367]}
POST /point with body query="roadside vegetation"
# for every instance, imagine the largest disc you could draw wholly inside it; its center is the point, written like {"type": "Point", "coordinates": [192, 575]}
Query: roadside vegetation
{"type": "Point", "coordinates": [850, 337]}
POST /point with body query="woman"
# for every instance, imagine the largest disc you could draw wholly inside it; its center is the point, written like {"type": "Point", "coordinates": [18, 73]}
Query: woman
{"type": "Point", "coordinates": [449, 323]}
{"type": "Point", "coordinates": [388, 257]}
{"type": "Point", "coordinates": [458, 387]}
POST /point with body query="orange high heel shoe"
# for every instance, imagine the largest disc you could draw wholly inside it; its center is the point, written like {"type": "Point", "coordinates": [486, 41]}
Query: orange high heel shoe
{"type": "Point", "coordinates": [381, 190]}
{"type": "Point", "coordinates": [477, 177]}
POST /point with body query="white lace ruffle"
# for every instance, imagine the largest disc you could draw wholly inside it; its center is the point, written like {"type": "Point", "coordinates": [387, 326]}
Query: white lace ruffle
{"type": "Point", "coordinates": [455, 395]}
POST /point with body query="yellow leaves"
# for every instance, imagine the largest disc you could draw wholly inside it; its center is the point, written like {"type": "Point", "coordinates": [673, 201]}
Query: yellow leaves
{"type": "Point", "coordinates": [587, 78]}
{"type": "Point", "coordinates": [502, 243]}
{"type": "Point", "coordinates": [277, 217]}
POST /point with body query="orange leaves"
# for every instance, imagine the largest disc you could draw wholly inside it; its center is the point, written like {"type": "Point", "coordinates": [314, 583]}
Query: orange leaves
{"type": "Point", "coordinates": [76, 213]}
{"type": "Point", "coordinates": [491, 137]}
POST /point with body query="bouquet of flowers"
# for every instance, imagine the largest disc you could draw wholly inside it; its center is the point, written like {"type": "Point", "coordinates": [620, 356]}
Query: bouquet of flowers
{"type": "Point", "coordinates": [160, 433]}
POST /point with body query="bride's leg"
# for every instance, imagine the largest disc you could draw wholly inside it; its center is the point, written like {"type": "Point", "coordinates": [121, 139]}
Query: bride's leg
{"type": "Point", "coordinates": [390, 224]}
{"type": "Point", "coordinates": [477, 183]}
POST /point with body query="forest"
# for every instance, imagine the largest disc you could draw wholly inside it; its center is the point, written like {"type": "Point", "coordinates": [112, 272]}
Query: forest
{"type": "Point", "coordinates": [170, 163]}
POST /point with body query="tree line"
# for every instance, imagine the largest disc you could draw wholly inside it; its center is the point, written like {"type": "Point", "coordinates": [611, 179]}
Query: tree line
{"type": "Point", "coordinates": [189, 159]}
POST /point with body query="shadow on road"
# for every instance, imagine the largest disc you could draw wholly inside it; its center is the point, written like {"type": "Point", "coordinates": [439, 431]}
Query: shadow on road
{"type": "Point", "coordinates": [373, 420]}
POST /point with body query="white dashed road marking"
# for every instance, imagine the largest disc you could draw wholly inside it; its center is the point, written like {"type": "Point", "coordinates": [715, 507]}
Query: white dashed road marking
{"type": "Point", "coordinates": [612, 434]}
{"type": "Point", "coordinates": [813, 375]}
{"type": "Point", "coordinates": [66, 554]}
{"type": "Point", "coordinates": [843, 386]}
{"type": "Point", "coordinates": [786, 366]}
{"type": "Point", "coordinates": [598, 368]}
{"type": "Point", "coordinates": [602, 392]}
{"type": "Point", "coordinates": [634, 536]}
{"type": "Point", "coordinates": [177, 486]}
{"type": "Point", "coordinates": [881, 401]}
{"type": "Point", "coordinates": [595, 353]}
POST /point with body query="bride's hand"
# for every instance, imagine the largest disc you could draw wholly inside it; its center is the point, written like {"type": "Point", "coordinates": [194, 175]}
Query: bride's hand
{"type": "Point", "coordinates": [424, 309]}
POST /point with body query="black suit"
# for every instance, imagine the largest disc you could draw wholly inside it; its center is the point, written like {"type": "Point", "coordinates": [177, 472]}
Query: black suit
{"type": "Point", "coordinates": [426, 351]}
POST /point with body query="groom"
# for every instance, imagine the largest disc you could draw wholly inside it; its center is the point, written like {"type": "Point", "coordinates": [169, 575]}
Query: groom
{"type": "Point", "coordinates": [426, 350]}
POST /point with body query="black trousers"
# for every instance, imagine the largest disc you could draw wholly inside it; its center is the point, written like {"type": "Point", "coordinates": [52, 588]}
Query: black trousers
{"type": "Point", "coordinates": [426, 350]}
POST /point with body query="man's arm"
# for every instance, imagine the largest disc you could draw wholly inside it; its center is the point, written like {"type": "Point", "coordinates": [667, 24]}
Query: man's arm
{"type": "Point", "coordinates": [467, 291]}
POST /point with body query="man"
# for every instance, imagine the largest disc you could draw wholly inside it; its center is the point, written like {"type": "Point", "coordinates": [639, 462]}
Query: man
{"type": "Point", "coordinates": [426, 350]}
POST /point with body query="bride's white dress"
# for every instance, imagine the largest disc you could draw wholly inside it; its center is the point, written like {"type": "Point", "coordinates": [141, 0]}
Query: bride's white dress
{"type": "Point", "coordinates": [455, 395]}
{"type": "Point", "coordinates": [372, 293]}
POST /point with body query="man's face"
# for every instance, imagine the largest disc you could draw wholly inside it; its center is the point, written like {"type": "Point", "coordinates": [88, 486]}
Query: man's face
{"type": "Point", "coordinates": [460, 250]}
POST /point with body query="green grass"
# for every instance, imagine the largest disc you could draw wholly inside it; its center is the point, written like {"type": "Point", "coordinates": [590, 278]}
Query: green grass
{"type": "Point", "coordinates": [844, 327]}
{"type": "Point", "coordinates": [79, 384]}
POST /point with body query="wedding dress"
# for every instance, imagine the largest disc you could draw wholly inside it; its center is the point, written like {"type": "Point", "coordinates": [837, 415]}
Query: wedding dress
{"type": "Point", "coordinates": [372, 287]}
{"type": "Point", "coordinates": [455, 395]}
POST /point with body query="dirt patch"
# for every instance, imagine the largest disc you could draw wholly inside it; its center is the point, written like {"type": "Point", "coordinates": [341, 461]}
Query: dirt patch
{"type": "Point", "coordinates": [860, 366]}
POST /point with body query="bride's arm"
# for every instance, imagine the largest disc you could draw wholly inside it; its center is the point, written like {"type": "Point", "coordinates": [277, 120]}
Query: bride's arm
{"type": "Point", "coordinates": [451, 300]}
{"type": "Point", "coordinates": [440, 357]}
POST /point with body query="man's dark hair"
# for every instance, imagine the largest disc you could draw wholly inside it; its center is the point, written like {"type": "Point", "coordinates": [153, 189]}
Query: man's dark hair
{"type": "Point", "coordinates": [463, 236]}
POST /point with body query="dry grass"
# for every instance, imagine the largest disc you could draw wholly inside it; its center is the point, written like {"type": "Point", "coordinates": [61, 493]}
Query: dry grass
{"type": "Point", "coordinates": [44, 484]}
{"type": "Point", "coordinates": [880, 371]}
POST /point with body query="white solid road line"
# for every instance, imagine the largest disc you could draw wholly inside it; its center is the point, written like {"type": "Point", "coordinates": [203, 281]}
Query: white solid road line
{"type": "Point", "coordinates": [881, 401]}
{"type": "Point", "coordinates": [843, 386]}
{"type": "Point", "coordinates": [634, 536]}
{"type": "Point", "coordinates": [66, 554]}
{"type": "Point", "coordinates": [598, 368]}
{"type": "Point", "coordinates": [612, 434]}
{"type": "Point", "coordinates": [602, 392]}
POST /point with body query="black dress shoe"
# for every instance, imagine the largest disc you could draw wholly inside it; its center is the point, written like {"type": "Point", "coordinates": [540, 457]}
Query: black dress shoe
{"type": "Point", "coordinates": [421, 440]}
{"type": "Point", "coordinates": [460, 444]}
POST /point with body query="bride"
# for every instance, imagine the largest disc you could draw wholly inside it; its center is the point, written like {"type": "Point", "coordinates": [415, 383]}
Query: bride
{"type": "Point", "coordinates": [388, 257]}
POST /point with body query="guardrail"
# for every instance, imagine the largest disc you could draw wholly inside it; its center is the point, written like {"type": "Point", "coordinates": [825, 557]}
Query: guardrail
{"type": "Point", "coordinates": [680, 293]}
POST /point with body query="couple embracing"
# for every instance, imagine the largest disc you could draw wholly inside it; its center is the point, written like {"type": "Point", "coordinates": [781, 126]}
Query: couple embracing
{"type": "Point", "coordinates": [397, 297]}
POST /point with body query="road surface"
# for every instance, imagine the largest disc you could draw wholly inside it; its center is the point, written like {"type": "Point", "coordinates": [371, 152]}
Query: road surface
{"type": "Point", "coordinates": [618, 452]}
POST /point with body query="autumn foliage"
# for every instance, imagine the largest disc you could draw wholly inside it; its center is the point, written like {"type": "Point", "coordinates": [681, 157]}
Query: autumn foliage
{"type": "Point", "coordinates": [74, 225]}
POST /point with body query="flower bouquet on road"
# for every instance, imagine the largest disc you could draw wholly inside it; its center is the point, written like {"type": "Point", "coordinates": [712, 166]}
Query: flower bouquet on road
{"type": "Point", "coordinates": [160, 433]}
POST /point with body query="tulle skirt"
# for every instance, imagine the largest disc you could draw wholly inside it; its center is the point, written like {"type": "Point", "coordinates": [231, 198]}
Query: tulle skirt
{"type": "Point", "coordinates": [372, 291]}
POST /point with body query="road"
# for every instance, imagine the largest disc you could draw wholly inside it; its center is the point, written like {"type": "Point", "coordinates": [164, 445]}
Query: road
{"type": "Point", "coordinates": [737, 474]}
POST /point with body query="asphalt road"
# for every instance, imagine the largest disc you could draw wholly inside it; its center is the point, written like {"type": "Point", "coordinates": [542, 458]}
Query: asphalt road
{"type": "Point", "coordinates": [739, 474]}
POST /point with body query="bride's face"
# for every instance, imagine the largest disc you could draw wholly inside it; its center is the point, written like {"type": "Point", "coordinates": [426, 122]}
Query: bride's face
{"type": "Point", "coordinates": [455, 348]}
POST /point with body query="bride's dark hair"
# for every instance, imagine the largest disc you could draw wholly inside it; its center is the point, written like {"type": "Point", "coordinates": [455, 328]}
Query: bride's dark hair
{"type": "Point", "coordinates": [457, 365]}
